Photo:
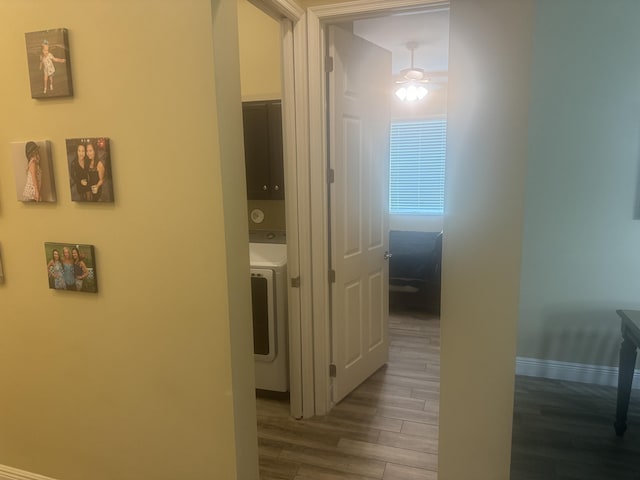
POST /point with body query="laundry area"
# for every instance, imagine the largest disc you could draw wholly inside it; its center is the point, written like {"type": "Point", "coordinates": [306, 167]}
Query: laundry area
{"type": "Point", "coordinates": [262, 123]}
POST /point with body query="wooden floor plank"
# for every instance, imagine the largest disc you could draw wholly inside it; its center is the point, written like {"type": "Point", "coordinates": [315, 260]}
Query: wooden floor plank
{"type": "Point", "coordinates": [310, 472]}
{"type": "Point", "coordinates": [337, 459]}
{"type": "Point", "coordinates": [402, 472]}
{"type": "Point", "coordinates": [349, 419]}
{"type": "Point", "coordinates": [419, 443]}
{"type": "Point", "coordinates": [412, 415]}
{"type": "Point", "coordinates": [420, 429]}
{"type": "Point", "coordinates": [400, 456]}
{"type": "Point", "coordinates": [386, 399]}
{"type": "Point", "coordinates": [277, 469]}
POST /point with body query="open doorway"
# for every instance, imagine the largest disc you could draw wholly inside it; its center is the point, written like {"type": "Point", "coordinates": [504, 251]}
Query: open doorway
{"type": "Point", "coordinates": [261, 92]}
{"type": "Point", "coordinates": [379, 393]}
{"type": "Point", "coordinates": [419, 46]}
{"type": "Point", "coordinates": [433, 56]}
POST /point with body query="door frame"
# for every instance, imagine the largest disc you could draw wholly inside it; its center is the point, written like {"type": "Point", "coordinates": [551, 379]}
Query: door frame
{"type": "Point", "coordinates": [295, 154]}
{"type": "Point", "coordinates": [306, 202]}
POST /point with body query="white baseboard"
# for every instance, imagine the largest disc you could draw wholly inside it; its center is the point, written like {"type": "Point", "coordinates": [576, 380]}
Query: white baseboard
{"type": "Point", "coordinates": [573, 372]}
{"type": "Point", "coordinates": [10, 473]}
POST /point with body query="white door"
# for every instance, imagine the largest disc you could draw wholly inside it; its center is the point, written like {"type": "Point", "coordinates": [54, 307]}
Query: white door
{"type": "Point", "coordinates": [359, 90]}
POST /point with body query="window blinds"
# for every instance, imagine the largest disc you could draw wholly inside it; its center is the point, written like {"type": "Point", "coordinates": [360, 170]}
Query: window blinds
{"type": "Point", "coordinates": [416, 176]}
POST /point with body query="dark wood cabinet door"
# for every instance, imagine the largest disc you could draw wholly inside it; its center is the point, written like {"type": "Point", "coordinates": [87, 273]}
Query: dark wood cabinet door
{"type": "Point", "coordinates": [276, 165]}
{"type": "Point", "coordinates": [256, 149]}
{"type": "Point", "coordinates": [262, 122]}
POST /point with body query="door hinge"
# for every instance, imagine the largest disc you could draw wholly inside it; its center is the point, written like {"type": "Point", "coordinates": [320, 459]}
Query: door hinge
{"type": "Point", "coordinates": [331, 176]}
{"type": "Point", "coordinates": [295, 282]}
{"type": "Point", "coordinates": [328, 64]}
{"type": "Point", "coordinates": [332, 276]}
{"type": "Point", "coordinates": [332, 370]}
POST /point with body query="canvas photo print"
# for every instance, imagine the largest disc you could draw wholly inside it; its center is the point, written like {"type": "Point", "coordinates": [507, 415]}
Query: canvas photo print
{"type": "Point", "coordinates": [49, 63]}
{"type": "Point", "coordinates": [1, 271]}
{"type": "Point", "coordinates": [33, 171]}
{"type": "Point", "coordinates": [71, 267]}
{"type": "Point", "coordinates": [89, 161]}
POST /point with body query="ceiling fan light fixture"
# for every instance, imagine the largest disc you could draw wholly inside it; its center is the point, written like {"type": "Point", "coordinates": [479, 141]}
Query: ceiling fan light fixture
{"type": "Point", "coordinates": [411, 92]}
{"type": "Point", "coordinates": [411, 87]}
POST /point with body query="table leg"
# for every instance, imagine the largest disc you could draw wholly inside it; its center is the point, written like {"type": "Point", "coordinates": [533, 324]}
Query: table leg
{"type": "Point", "coordinates": [625, 378]}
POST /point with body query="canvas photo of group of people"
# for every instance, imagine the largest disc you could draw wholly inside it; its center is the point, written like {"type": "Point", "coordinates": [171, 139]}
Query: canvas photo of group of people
{"type": "Point", "coordinates": [71, 267]}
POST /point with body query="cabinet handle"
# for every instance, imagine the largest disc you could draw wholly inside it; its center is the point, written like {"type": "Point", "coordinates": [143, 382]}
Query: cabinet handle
{"type": "Point", "coordinates": [276, 188]}
{"type": "Point", "coordinates": [264, 187]}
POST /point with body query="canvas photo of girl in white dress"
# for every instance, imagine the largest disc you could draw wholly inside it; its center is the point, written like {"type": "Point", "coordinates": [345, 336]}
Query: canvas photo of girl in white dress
{"type": "Point", "coordinates": [49, 63]}
{"type": "Point", "coordinates": [33, 171]}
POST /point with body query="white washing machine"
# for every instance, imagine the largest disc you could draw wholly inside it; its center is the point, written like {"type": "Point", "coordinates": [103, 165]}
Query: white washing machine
{"type": "Point", "coordinates": [269, 303]}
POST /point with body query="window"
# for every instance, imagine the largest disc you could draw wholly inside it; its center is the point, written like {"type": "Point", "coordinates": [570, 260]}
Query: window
{"type": "Point", "coordinates": [416, 176]}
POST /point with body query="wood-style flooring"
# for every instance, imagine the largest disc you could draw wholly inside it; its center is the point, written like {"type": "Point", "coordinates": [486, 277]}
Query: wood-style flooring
{"type": "Point", "coordinates": [385, 429]}
{"type": "Point", "coordinates": [388, 427]}
{"type": "Point", "coordinates": [564, 431]}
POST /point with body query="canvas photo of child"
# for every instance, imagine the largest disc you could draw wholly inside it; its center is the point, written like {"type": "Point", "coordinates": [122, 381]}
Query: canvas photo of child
{"type": "Point", "coordinates": [1, 271]}
{"type": "Point", "coordinates": [33, 171]}
{"type": "Point", "coordinates": [49, 63]}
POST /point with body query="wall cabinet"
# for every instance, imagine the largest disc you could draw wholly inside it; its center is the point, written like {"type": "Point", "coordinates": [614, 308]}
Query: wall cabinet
{"type": "Point", "coordinates": [262, 123]}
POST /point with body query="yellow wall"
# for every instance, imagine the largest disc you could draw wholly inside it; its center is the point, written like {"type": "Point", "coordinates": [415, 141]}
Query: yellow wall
{"type": "Point", "coordinates": [134, 382]}
{"type": "Point", "coordinates": [487, 147]}
{"type": "Point", "coordinates": [260, 53]}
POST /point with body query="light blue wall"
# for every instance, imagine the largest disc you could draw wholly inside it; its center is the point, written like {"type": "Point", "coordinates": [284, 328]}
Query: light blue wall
{"type": "Point", "coordinates": [581, 244]}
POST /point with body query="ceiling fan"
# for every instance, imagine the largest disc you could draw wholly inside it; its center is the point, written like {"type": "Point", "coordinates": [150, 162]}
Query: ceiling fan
{"type": "Point", "coordinates": [411, 84]}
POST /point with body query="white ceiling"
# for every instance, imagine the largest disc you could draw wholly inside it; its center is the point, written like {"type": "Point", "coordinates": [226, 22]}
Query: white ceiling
{"type": "Point", "coordinates": [429, 30]}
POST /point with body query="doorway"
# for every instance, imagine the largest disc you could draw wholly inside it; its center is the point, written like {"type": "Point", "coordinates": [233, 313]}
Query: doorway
{"type": "Point", "coordinates": [316, 18]}
{"type": "Point", "coordinates": [310, 248]}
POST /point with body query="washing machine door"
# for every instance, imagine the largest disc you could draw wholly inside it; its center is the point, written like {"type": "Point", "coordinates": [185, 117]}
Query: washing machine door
{"type": "Point", "coordinates": [263, 306]}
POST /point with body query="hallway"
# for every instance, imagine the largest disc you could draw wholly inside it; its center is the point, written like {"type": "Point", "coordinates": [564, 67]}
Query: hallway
{"type": "Point", "coordinates": [386, 429]}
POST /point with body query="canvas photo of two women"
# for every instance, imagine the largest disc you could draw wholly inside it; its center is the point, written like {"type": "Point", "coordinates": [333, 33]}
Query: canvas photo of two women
{"type": "Point", "coordinates": [71, 267]}
{"type": "Point", "coordinates": [89, 161]}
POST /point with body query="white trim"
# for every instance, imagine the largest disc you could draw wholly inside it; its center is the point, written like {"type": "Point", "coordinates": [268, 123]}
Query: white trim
{"type": "Point", "coordinates": [261, 97]}
{"type": "Point", "coordinates": [297, 203]}
{"type": "Point", "coordinates": [315, 19]}
{"type": "Point", "coordinates": [319, 214]}
{"type": "Point", "coordinates": [572, 372]}
{"type": "Point", "coordinates": [303, 197]}
{"type": "Point", "coordinates": [292, 215]}
{"type": "Point", "coordinates": [10, 473]}
{"type": "Point", "coordinates": [280, 9]}
{"type": "Point", "coordinates": [360, 8]}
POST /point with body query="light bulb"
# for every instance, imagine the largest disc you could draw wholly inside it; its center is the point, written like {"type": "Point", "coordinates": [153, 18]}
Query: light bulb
{"type": "Point", "coordinates": [411, 92]}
